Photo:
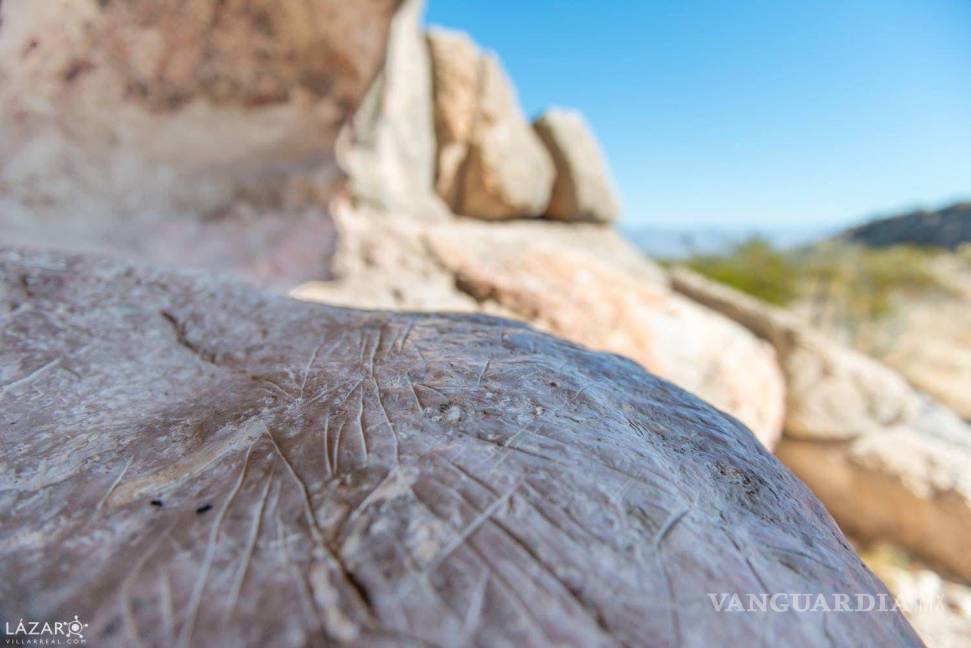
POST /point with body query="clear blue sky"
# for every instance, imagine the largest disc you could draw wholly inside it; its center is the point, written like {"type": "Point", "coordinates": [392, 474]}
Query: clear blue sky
{"type": "Point", "coordinates": [744, 113]}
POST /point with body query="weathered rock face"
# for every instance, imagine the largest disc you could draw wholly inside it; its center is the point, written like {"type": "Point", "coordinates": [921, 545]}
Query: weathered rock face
{"type": "Point", "coordinates": [910, 485]}
{"type": "Point", "coordinates": [932, 349]}
{"type": "Point", "coordinates": [886, 460]}
{"type": "Point", "coordinates": [931, 343]}
{"type": "Point", "coordinates": [189, 461]}
{"type": "Point", "coordinates": [582, 282]}
{"type": "Point", "coordinates": [490, 163]}
{"type": "Point", "coordinates": [457, 83]}
{"type": "Point", "coordinates": [927, 337]}
{"type": "Point", "coordinates": [230, 52]}
{"type": "Point", "coordinates": [269, 246]}
{"type": "Point", "coordinates": [579, 294]}
{"type": "Point", "coordinates": [583, 189]}
{"type": "Point", "coordinates": [124, 122]}
{"type": "Point", "coordinates": [388, 150]}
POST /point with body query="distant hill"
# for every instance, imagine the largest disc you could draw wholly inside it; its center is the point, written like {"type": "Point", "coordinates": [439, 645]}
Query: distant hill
{"type": "Point", "coordinates": [674, 243]}
{"type": "Point", "coordinates": [944, 228]}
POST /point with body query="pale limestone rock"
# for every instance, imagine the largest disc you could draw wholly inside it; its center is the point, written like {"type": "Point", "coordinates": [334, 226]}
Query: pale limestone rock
{"type": "Point", "coordinates": [457, 88]}
{"type": "Point", "coordinates": [833, 392]}
{"type": "Point", "coordinates": [162, 130]}
{"type": "Point", "coordinates": [575, 291]}
{"type": "Point", "coordinates": [382, 262]}
{"type": "Point", "coordinates": [491, 163]}
{"type": "Point", "coordinates": [583, 189]}
{"type": "Point", "coordinates": [388, 150]}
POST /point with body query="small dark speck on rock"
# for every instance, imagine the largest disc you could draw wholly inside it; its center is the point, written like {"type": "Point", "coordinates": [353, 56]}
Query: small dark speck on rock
{"type": "Point", "coordinates": [113, 626]}
{"type": "Point", "coordinates": [203, 509]}
{"type": "Point", "coordinates": [157, 503]}
{"type": "Point", "coordinates": [76, 69]}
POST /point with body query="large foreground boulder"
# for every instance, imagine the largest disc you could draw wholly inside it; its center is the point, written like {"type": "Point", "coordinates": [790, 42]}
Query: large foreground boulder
{"type": "Point", "coordinates": [490, 162]}
{"type": "Point", "coordinates": [887, 460]}
{"type": "Point", "coordinates": [194, 462]}
{"type": "Point", "coordinates": [197, 133]}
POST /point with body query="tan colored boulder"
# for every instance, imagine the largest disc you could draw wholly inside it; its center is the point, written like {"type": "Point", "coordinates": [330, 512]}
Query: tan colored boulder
{"type": "Point", "coordinates": [583, 189]}
{"type": "Point", "coordinates": [926, 337]}
{"type": "Point", "coordinates": [388, 150]}
{"type": "Point", "coordinates": [932, 350]}
{"type": "Point", "coordinates": [909, 484]}
{"type": "Point", "coordinates": [583, 282]}
{"type": "Point", "coordinates": [491, 164]}
{"type": "Point", "coordinates": [382, 261]}
{"type": "Point", "coordinates": [457, 71]}
{"type": "Point", "coordinates": [888, 461]}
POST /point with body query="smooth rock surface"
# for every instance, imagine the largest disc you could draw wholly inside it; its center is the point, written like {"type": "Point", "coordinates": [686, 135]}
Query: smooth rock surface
{"type": "Point", "coordinates": [888, 461]}
{"type": "Point", "coordinates": [127, 125]}
{"type": "Point", "coordinates": [388, 150]}
{"type": "Point", "coordinates": [580, 281]}
{"type": "Point", "coordinates": [456, 77]}
{"type": "Point", "coordinates": [491, 164]}
{"type": "Point", "coordinates": [188, 461]}
{"type": "Point", "coordinates": [583, 189]}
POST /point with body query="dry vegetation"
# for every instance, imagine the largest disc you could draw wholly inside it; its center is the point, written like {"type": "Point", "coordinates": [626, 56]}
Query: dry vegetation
{"type": "Point", "coordinates": [841, 281]}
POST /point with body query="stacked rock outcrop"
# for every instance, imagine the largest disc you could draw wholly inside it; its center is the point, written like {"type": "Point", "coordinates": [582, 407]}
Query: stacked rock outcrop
{"type": "Point", "coordinates": [583, 189]}
{"type": "Point", "coordinates": [490, 162]}
{"type": "Point", "coordinates": [578, 280]}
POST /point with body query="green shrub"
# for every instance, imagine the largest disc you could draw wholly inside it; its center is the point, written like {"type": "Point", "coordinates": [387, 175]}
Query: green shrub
{"type": "Point", "coordinates": [867, 282]}
{"type": "Point", "coordinates": [860, 284]}
{"type": "Point", "coordinates": [754, 267]}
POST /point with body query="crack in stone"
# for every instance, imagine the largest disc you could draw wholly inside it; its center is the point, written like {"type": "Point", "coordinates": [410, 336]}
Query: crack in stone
{"type": "Point", "coordinates": [182, 339]}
